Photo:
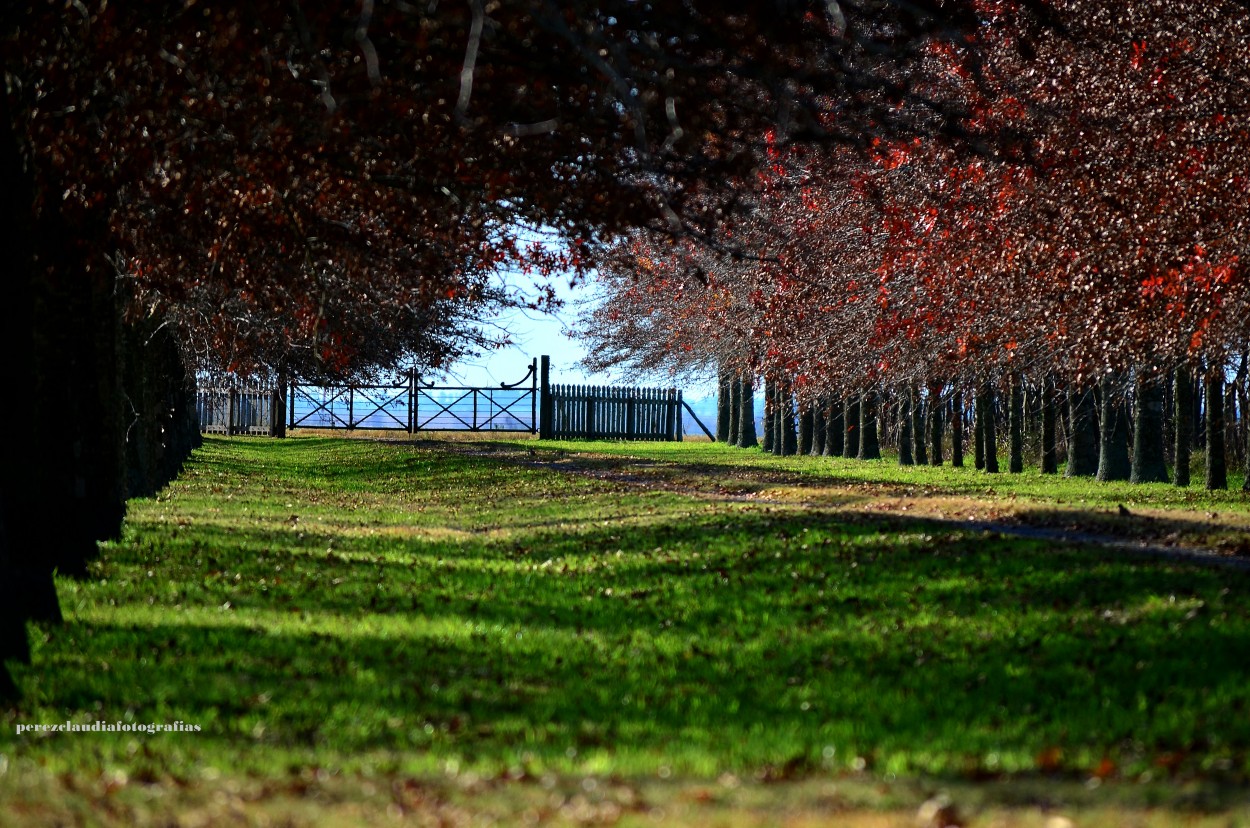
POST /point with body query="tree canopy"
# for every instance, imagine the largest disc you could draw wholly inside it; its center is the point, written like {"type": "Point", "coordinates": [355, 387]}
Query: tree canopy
{"type": "Point", "coordinates": [1086, 213]}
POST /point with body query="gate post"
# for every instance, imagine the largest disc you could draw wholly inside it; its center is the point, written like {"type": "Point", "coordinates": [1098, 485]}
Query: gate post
{"type": "Point", "coordinates": [534, 395]}
{"type": "Point", "coordinates": [412, 401]}
{"type": "Point", "coordinates": [544, 404]}
{"type": "Point", "coordinates": [680, 435]}
{"type": "Point", "coordinates": [277, 406]}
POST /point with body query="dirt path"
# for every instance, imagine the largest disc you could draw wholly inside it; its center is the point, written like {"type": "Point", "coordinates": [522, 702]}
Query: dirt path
{"type": "Point", "coordinates": [1170, 535]}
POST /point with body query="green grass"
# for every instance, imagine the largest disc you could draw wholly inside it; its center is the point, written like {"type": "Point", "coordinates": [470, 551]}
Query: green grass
{"type": "Point", "coordinates": [381, 609]}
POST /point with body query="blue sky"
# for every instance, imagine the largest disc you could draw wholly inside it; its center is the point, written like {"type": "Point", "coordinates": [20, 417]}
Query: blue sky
{"type": "Point", "coordinates": [534, 334]}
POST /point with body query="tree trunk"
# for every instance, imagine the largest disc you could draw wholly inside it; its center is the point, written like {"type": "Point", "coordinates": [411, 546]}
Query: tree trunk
{"type": "Point", "coordinates": [806, 423]}
{"type": "Point", "coordinates": [1149, 458]}
{"type": "Point", "coordinates": [835, 429]}
{"type": "Point", "coordinates": [904, 430]}
{"type": "Point", "coordinates": [819, 429]}
{"type": "Point", "coordinates": [957, 429]}
{"type": "Point", "coordinates": [770, 416]}
{"type": "Point", "coordinates": [1015, 425]}
{"type": "Point", "coordinates": [1217, 469]}
{"type": "Point", "coordinates": [746, 421]}
{"type": "Point", "coordinates": [935, 424]}
{"type": "Point", "coordinates": [1050, 456]}
{"type": "Point", "coordinates": [1113, 457]}
{"type": "Point", "coordinates": [917, 426]}
{"type": "Point", "coordinates": [723, 407]}
{"type": "Point", "coordinates": [735, 409]}
{"type": "Point", "coordinates": [788, 437]}
{"type": "Point", "coordinates": [1083, 437]}
{"type": "Point", "coordinates": [869, 442]}
{"type": "Point", "coordinates": [989, 434]}
{"type": "Point", "coordinates": [851, 415]}
{"type": "Point", "coordinates": [1183, 399]}
{"type": "Point", "coordinates": [978, 431]}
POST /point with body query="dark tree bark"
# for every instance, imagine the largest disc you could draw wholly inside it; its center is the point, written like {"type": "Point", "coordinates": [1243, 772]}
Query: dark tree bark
{"type": "Point", "coordinates": [770, 416]}
{"type": "Point", "coordinates": [806, 423]}
{"type": "Point", "coordinates": [1244, 390]}
{"type": "Point", "coordinates": [1083, 437]}
{"type": "Point", "coordinates": [835, 429]}
{"type": "Point", "coordinates": [978, 430]}
{"type": "Point", "coordinates": [935, 424]}
{"type": "Point", "coordinates": [917, 427]}
{"type": "Point", "coordinates": [989, 432]}
{"type": "Point", "coordinates": [1198, 418]}
{"type": "Point", "coordinates": [819, 429]}
{"type": "Point", "coordinates": [746, 437]}
{"type": "Point", "coordinates": [1183, 400]}
{"type": "Point", "coordinates": [851, 417]}
{"type": "Point", "coordinates": [724, 405]}
{"type": "Point", "coordinates": [1149, 458]}
{"type": "Point", "coordinates": [734, 387]}
{"type": "Point", "coordinates": [904, 430]}
{"type": "Point", "coordinates": [1015, 425]}
{"type": "Point", "coordinates": [160, 391]}
{"type": "Point", "coordinates": [869, 441]}
{"type": "Point", "coordinates": [788, 437]}
{"type": "Point", "coordinates": [1231, 444]}
{"type": "Point", "coordinates": [1113, 457]}
{"type": "Point", "coordinates": [1050, 456]}
{"type": "Point", "coordinates": [1217, 467]}
{"type": "Point", "coordinates": [957, 429]}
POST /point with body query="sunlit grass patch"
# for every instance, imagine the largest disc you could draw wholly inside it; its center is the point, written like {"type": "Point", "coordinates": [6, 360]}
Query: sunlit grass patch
{"type": "Point", "coordinates": [380, 608]}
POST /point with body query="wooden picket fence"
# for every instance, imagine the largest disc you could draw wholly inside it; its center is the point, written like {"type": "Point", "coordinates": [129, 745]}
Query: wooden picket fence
{"type": "Point", "coordinates": [600, 413]}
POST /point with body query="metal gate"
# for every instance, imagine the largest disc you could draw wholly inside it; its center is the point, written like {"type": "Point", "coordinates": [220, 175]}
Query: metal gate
{"type": "Point", "coordinates": [411, 405]}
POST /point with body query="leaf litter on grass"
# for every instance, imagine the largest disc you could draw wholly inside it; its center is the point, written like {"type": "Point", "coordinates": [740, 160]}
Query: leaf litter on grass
{"type": "Point", "coordinates": [536, 620]}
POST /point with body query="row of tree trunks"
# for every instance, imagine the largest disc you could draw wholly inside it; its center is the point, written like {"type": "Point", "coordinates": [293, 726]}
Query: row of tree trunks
{"type": "Point", "coordinates": [1105, 436]}
{"type": "Point", "coordinates": [106, 409]}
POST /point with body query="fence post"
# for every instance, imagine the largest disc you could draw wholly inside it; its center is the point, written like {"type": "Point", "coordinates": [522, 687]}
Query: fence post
{"type": "Point", "coordinates": [534, 395]}
{"type": "Point", "coordinates": [416, 402]}
{"type": "Point", "coordinates": [291, 403]}
{"type": "Point", "coordinates": [681, 426]}
{"type": "Point", "coordinates": [231, 408]}
{"type": "Point", "coordinates": [590, 411]}
{"type": "Point", "coordinates": [545, 408]}
{"type": "Point", "coordinates": [277, 408]}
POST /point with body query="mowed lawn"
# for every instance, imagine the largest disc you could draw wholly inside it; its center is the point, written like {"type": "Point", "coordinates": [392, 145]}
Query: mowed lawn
{"type": "Point", "coordinates": [349, 613]}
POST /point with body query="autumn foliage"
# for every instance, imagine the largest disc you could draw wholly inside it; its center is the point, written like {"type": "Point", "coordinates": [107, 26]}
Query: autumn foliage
{"type": "Point", "coordinates": [1078, 209]}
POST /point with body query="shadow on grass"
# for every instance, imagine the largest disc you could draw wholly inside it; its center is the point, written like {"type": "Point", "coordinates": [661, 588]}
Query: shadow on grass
{"type": "Point", "coordinates": [745, 641]}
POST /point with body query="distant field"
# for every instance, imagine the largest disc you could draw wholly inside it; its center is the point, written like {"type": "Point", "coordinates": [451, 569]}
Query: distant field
{"type": "Point", "coordinates": [610, 633]}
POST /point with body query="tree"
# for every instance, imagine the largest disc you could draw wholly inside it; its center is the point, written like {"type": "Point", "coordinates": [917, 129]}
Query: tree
{"type": "Point", "coordinates": [1049, 458]}
{"type": "Point", "coordinates": [1015, 424]}
{"type": "Point", "coordinates": [936, 407]}
{"type": "Point", "coordinates": [1083, 440]}
{"type": "Point", "coordinates": [1184, 404]}
{"type": "Point", "coordinates": [320, 192]}
{"type": "Point", "coordinates": [1217, 469]}
{"type": "Point", "coordinates": [905, 457]}
{"type": "Point", "coordinates": [917, 430]}
{"type": "Point", "coordinates": [1149, 461]}
{"type": "Point", "coordinates": [869, 441]}
{"type": "Point", "coordinates": [746, 421]}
